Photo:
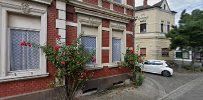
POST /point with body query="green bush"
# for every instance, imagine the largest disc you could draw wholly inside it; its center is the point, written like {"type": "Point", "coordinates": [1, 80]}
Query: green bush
{"type": "Point", "coordinates": [139, 80]}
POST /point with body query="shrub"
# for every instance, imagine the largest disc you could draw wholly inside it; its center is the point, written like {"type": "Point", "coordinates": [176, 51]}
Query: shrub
{"type": "Point", "coordinates": [70, 61]}
{"type": "Point", "coordinates": [132, 60]}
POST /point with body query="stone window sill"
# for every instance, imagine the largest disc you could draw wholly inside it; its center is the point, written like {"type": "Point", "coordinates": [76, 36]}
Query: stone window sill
{"type": "Point", "coordinates": [23, 77]}
{"type": "Point", "coordinates": [113, 65]}
{"type": "Point", "coordinates": [93, 67]}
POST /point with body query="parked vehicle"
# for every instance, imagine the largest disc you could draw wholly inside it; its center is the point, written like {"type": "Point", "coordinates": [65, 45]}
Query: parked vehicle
{"type": "Point", "coordinates": [158, 67]}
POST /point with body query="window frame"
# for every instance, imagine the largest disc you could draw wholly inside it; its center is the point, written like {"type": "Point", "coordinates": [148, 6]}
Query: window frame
{"type": "Point", "coordinates": [145, 52]}
{"type": "Point", "coordinates": [145, 27]}
{"type": "Point", "coordinates": [123, 44]}
{"type": "Point", "coordinates": [168, 27]}
{"type": "Point", "coordinates": [82, 24]}
{"type": "Point", "coordinates": [182, 57]}
{"type": "Point", "coordinates": [162, 27]}
{"type": "Point", "coordinates": [120, 49]}
{"type": "Point", "coordinates": [5, 75]}
{"type": "Point", "coordinates": [93, 64]}
{"type": "Point", "coordinates": [163, 51]}
{"type": "Point", "coordinates": [9, 45]}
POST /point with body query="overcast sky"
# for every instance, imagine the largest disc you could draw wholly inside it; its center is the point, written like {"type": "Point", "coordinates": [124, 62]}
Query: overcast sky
{"type": "Point", "coordinates": [177, 5]}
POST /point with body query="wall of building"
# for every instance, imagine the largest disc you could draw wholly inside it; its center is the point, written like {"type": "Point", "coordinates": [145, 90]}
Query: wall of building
{"type": "Point", "coordinates": [106, 27]}
{"type": "Point", "coordinates": [153, 40]}
{"type": "Point", "coordinates": [149, 16]}
{"type": "Point", "coordinates": [67, 23]}
{"type": "Point", "coordinates": [153, 20]}
{"type": "Point", "coordinates": [166, 17]}
{"type": "Point", "coordinates": [27, 84]}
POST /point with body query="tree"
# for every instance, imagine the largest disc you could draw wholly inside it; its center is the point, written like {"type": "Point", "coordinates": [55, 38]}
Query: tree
{"type": "Point", "coordinates": [189, 34]}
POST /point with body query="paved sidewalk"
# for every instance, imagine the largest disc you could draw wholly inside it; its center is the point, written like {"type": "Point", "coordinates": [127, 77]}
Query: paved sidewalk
{"type": "Point", "coordinates": [177, 80]}
{"type": "Point", "coordinates": [183, 90]}
{"type": "Point", "coordinates": [178, 87]}
{"type": "Point", "coordinates": [148, 91]}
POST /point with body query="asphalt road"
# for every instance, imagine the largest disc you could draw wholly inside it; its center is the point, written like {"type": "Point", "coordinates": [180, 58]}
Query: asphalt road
{"type": "Point", "coordinates": [187, 86]}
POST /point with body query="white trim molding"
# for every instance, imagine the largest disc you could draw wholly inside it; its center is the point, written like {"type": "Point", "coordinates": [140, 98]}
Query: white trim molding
{"type": "Point", "coordinates": [8, 7]}
{"type": "Point", "coordinates": [72, 24]}
{"type": "Point", "coordinates": [61, 21]}
{"type": "Point", "coordinates": [11, 78]}
{"type": "Point", "coordinates": [94, 22]}
{"type": "Point", "coordinates": [94, 10]}
{"type": "Point", "coordinates": [106, 29]}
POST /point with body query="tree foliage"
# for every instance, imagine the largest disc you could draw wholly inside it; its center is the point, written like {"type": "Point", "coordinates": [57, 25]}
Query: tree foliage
{"type": "Point", "coordinates": [189, 34]}
{"type": "Point", "coordinates": [70, 61]}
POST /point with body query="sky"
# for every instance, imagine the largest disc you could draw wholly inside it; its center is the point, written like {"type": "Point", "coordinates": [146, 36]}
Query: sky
{"type": "Point", "coordinates": [177, 5]}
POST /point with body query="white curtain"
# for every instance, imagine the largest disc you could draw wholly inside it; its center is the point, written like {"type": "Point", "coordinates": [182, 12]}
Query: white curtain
{"type": "Point", "coordinates": [89, 44]}
{"type": "Point", "coordinates": [24, 57]}
{"type": "Point", "coordinates": [116, 49]}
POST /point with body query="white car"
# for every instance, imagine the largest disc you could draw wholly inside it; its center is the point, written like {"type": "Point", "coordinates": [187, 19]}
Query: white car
{"type": "Point", "coordinates": [158, 67]}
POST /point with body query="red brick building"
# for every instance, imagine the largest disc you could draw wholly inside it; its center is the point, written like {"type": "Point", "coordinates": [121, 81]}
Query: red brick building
{"type": "Point", "coordinates": [106, 25]}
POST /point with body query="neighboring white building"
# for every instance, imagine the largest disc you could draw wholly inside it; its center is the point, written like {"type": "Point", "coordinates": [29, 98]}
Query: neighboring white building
{"type": "Point", "coordinates": [152, 23]}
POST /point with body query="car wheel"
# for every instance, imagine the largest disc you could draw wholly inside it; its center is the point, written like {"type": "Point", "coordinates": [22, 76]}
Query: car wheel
{"type": "Point", "coordinates": [166, 73]}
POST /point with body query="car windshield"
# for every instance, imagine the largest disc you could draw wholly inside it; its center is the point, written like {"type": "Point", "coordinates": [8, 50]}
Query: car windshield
{"type": "Point", "coordinates": [153, 63]}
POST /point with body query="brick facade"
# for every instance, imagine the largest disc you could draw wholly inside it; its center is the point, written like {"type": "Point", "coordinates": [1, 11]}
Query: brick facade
{"type": "Point", "coordinates": [72, 33]}
{"type": "Point", "coordinates": [106, 4]}
{"type": "Point", "coordinates": [71, 15]}
{"type": "Point", "coordinates": [94, 2]}
{"type": "Point", "coordinates": [105, 38]}
{"type": "Point", "coordinates": [130, 40]}
{"type": "Point", "coordinates": [130, 2]}
{"type": "Point", "coordinates": [118, 8]}
{"type": "Point", "coordinates": [105, 56]}
{"type": "Point", "coordinates": [31, 85]}
{"type": "Point", "coordinates": [129, 12]}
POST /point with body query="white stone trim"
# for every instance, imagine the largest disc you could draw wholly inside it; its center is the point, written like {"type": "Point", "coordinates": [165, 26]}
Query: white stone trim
{"type": "Point", "coordinates": [10, 78]}
{"type": "Point", "coordinates": [105, 29]}
{"type": "Point", "coordinates": [60, 24]}
{"type": "Point", "coordinates": [60, 5]}
{"type": "Point", "coordinates": [62, 33]}
{"type": "Point", "coordinates": [72, 24]}
{"type": "Point", "coordinates": [61, 21]}
{"type": "Point", "coordinates": [105, 48]}
{"type": "Point", "coordinates": [111, 6]}
{"type": "Point", "coordinates": [129, 32]}
{"type": "Point", "coordinates": [36, 10]}
{"type": "Point", "coordinates": [97, 11]}
{"type": "Point", "coordinates": [62, 14]}
{"type": "Point", "coordinates": [105, 64]}
{"type": "Point", "coordinates": [92, 22]}
{"type": "Point", "coordinates": [120, 27]}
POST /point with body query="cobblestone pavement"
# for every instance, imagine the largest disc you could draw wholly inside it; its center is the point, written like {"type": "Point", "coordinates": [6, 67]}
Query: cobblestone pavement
{"type": "Point", "coordinates": [188, 86]}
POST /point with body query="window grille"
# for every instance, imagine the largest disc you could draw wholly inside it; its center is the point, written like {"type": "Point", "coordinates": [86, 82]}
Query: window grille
{"type": "Point", "coordinates": [116, 49]}
{"type": "Point", "coordinates": [24, 57]}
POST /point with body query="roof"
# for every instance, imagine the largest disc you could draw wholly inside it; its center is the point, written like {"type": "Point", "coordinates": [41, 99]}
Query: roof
{"type": "Point", "coordinates": [157, 5]}
{"type": "Point", "coordinates": [143, 7]}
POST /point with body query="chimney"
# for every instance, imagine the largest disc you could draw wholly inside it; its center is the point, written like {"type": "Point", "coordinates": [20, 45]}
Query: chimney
{"type": "Point", "coordinates": [145, 3]}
